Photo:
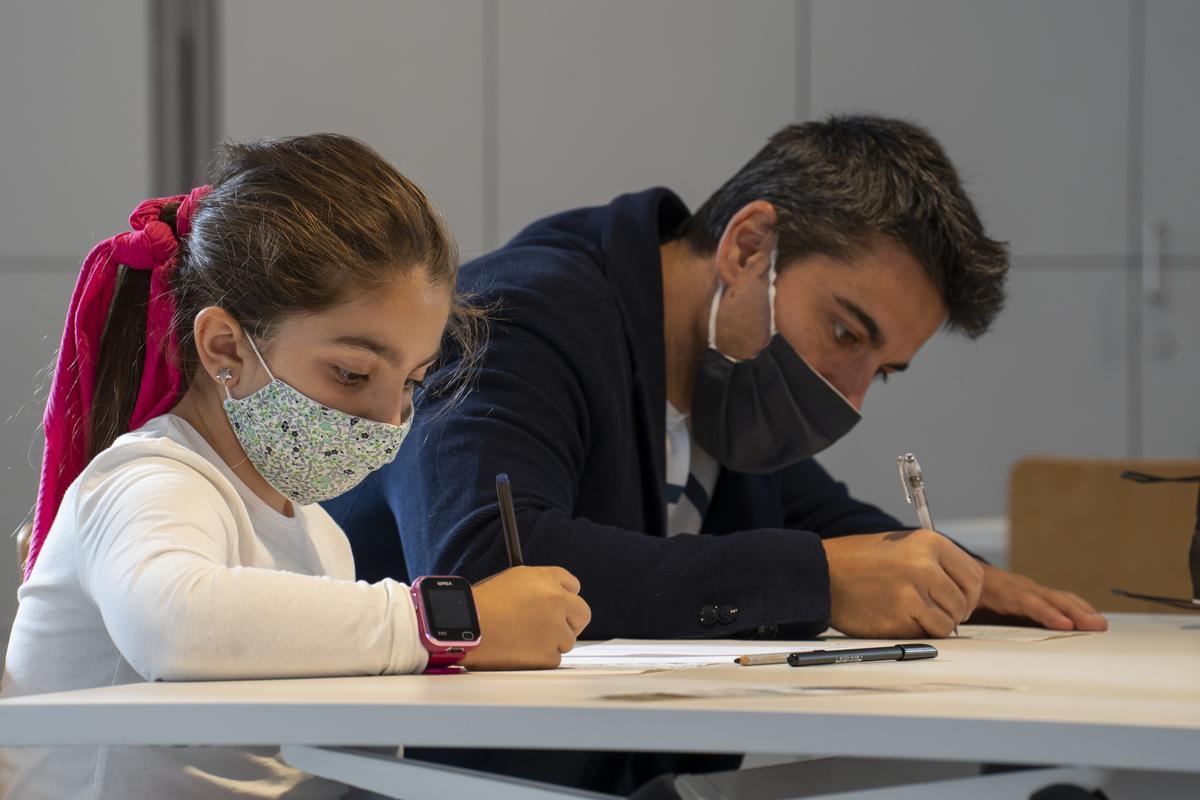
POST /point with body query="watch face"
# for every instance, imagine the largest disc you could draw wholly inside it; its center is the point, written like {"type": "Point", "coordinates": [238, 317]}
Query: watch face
{"type": "Point", "coordinates": [449, 609]}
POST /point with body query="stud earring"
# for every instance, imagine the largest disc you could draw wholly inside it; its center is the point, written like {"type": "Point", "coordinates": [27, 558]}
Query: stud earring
{"type": "Point", "coordinates": [224, 375]}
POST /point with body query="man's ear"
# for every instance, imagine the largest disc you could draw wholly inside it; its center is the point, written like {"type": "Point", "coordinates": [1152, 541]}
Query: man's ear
{"type": "Point", "coordinates": [744, 251]}
{"type": "Point", "coordinates": [222, 345]}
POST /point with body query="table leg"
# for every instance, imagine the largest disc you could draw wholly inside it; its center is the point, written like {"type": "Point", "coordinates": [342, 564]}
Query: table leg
{"type": "Point", "coordinates": [882, 779]}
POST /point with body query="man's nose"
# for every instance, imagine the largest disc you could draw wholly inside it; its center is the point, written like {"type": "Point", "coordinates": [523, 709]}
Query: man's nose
{"type": "Point", "coordinates": [853, 386]}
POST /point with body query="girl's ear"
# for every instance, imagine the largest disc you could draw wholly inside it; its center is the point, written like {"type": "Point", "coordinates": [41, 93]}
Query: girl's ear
{"type": "Point", "coordinates": [223, 348]}
{"type": "Point", "coordinates": [744, 251]}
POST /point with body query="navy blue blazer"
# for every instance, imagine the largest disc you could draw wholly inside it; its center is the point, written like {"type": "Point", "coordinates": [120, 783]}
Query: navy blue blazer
{"type": "Point", "coordinates": [570, 401]}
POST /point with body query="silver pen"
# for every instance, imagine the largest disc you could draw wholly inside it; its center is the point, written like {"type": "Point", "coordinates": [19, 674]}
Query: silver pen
{"type": "Point", "coordinates": [913, 481]}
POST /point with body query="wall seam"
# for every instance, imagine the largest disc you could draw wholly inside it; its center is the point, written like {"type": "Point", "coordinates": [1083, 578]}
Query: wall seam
{"type": "Point", "coordinates": [1134, 176]}
{"type": "Point", "coordinates": [491, 126]}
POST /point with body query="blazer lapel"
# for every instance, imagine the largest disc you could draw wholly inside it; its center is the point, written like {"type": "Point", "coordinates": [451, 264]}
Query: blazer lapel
{"type": "Point", "coordinates": [637, 225]}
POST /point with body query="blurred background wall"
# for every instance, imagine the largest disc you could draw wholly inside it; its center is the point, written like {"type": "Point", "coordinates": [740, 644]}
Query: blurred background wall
{"type": "Point", "coordinates": [1074, 122]}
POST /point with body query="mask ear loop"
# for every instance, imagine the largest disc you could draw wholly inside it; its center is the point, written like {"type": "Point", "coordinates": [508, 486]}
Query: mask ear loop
{"type": "Point", "coordinates": [261, 360]}
{"type": "Point", "coordinates": [712, 315]}
{"type": "Point", "coordinates": [716, 302]}
{"type": "Point", "coordinates": [771, 274]}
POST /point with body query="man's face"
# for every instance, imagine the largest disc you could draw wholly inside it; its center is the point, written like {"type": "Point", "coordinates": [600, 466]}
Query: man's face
{"type": "Point", "coordinates": [854, 322]}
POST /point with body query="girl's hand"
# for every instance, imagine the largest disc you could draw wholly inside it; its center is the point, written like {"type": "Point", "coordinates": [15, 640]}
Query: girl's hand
{"type": "Point", "coordinates": [528, 617]}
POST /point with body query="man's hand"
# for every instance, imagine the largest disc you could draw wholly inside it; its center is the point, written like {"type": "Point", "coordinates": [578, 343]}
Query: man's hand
{"type": "Point", "coordinates": [528, 617]}
{"type": "Point", "coordinates": [1017, 596]}
{"type": "Point", "coordinates": [904, 584]}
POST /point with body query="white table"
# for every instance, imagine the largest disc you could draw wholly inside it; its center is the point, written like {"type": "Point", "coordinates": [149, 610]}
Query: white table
{"type": "Point", "coordinates": [1127, 699]}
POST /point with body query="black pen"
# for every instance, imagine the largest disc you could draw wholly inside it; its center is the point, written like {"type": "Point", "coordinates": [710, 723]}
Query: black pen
{"type": "Point", "coordinates": [508, 520]}
{"type": "Point", "coordinates": [898, 652]}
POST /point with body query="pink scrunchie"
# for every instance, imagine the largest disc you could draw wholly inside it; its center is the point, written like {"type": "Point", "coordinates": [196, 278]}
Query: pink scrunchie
{"type": "Point", "coordinates": [149, 245]}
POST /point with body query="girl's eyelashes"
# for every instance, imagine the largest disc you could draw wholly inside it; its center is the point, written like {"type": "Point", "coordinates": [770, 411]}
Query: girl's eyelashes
{"type": "Point", "coordinates": [349, 378]}
{"type": "Point", "coordinates": [417, 381]}
{"type": "Point", "coordinates": [882, 375]}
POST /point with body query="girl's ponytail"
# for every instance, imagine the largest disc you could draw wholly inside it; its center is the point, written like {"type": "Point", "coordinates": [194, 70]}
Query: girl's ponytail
{"type": "Point", "coordinates": [117, 365]}
{"type": "Point", "coordinates": [291, 226]}
{"type": "Point", "coordinates": [119, 360]}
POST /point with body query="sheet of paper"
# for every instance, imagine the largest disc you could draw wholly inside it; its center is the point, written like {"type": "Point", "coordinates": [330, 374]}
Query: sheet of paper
{"type": "Point", "coordinates": [634, 654]}
{"type": "Point", "coordinates": [1012, 633]}
{"type": "Point", "coordinates": [626, 656]}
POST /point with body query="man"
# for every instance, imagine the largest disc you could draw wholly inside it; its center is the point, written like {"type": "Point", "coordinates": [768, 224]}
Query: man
{"type": "Point", "coordinates": [653, 374]}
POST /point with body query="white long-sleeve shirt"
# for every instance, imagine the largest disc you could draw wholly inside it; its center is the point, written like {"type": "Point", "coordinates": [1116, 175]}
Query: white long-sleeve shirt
{"type": "Point", "coordinates": [163, 565]}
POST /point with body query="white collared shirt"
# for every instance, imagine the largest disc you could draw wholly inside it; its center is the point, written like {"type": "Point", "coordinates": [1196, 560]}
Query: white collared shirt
{"type": "Point", "coordinates": [691, 476]}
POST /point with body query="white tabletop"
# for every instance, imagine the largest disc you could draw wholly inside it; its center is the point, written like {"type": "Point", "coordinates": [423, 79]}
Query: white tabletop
{"type": "Point", "coordinates": [1126, 698]}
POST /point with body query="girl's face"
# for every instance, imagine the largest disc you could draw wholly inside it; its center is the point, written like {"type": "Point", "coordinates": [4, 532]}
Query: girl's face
{"type": "Point", "coordinates": [364, 357]}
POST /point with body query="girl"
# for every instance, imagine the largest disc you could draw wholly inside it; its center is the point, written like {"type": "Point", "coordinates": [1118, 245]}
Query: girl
{"type": "Point", "coordinates": [261, 341]}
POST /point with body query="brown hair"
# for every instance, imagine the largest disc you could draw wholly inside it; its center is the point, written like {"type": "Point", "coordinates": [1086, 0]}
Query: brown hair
{"type": "Point", "coordinates": [838, 183]}
{"type": "Point", "coordinates": [293, 225]}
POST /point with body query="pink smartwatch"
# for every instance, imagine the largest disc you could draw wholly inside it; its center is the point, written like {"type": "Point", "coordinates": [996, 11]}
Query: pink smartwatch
{"type": "Point", "coordinates": [446, 620]}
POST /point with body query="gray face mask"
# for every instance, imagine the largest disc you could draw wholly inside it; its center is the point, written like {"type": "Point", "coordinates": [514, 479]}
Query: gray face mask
{"type": "Point", "coordinates": [769, 411]}
{"type": "Point", "coordinates": [308, 451]}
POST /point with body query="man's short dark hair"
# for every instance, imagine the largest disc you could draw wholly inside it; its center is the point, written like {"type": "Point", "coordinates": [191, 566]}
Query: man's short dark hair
{"type": "Point", "coordinates": [838, 184]}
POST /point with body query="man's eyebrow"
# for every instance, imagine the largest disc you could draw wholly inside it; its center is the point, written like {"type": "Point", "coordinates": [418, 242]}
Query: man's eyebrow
{"type": "Point", "coordinates": [865, 319]}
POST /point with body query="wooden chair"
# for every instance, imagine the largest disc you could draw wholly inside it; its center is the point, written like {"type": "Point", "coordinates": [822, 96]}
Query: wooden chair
{"type": "Point", "coordinates": [1076, 524]}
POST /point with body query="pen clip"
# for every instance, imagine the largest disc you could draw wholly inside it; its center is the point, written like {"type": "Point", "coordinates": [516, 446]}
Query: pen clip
{"type": "Point", "coordinates": [911, 478]}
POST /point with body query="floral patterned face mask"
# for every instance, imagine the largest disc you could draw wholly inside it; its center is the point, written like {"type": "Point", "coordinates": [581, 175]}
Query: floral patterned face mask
{"type": "Point", "coordinates": [308, 451]}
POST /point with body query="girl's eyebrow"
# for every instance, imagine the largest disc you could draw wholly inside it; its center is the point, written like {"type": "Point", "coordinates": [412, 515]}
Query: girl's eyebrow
{"type": "Point", "coordinates": [430, 360]}
{"type": "Point", "coordinates": [378, 348]}
{"type": "Point", "coordinates": [367, 343]}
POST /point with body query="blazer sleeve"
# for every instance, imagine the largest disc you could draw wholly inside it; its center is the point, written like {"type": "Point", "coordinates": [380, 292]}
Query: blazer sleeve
{"type": "Point", "coordinates": [529, 415]}
{"type": "Point", "coordinates": [814, 501]}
